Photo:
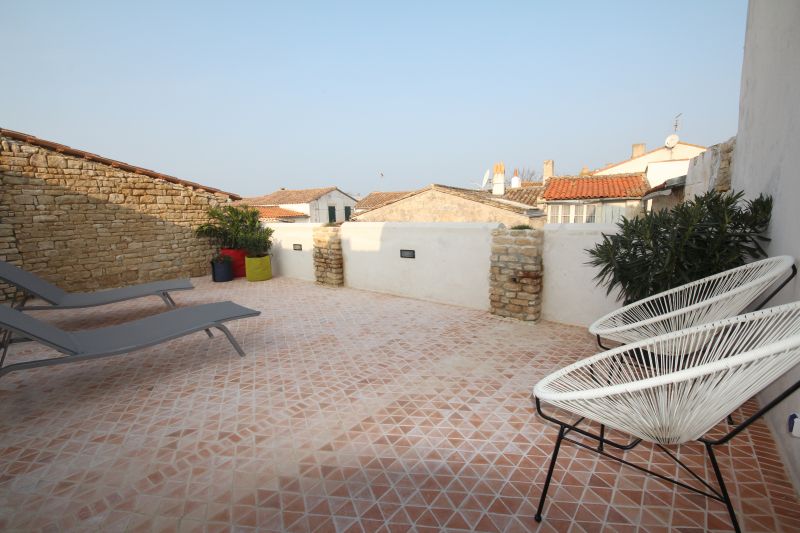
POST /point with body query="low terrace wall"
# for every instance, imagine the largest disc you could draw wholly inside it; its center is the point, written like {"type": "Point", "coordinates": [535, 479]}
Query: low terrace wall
{"type": "Point", "coordinates": [570, 294]}
{"type": "Point", "coordinates": [522, 274]}
{"type": "Point", "coordinates": [450, 265]}
{"type": "Point", "coordinates": [293, 250]}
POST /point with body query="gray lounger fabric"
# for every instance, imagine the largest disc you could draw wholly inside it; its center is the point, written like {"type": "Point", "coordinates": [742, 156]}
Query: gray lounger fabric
{"type": "Point", "coordinates": [60, 299]}
{"type": "Point", "coordinates": [123, 338]}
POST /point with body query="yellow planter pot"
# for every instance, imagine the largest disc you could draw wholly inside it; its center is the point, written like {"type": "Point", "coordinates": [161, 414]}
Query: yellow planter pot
{"type": "Point", "coordinates": [258, 268]}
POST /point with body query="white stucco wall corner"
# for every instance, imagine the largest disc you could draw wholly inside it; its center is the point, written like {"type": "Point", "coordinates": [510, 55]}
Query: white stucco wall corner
{"type": "Point", "coordinates": [286, 261]}
{"type": "Point", "coordinates": [766, 160]}
{"type": "Point", "coordinates": [570, 293]}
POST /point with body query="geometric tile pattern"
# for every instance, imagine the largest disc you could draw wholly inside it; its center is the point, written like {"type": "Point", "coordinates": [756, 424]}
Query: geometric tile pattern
{"type": "Point", "coordinates": [352, 411]}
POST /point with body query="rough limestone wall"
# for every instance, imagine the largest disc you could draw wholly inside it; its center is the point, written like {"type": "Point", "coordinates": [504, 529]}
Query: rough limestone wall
{"type": "Point", "coordinates": [711, 170]}
{"type": "Point", "coordinates": [84, 225]}
{"type": "Point", "coordinates": [516, 274]}
{"type": "Point", "coordinates": [328, 262]}
{"type": "Point", "coordinates": [436, 206]}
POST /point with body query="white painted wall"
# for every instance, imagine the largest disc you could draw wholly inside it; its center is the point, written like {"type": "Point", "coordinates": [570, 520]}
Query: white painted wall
{"type": "Point", "coordinates": [569, 292]}
{"type": "Point", "coordinates": [289, 262]}
{"type": "Point", "coordinates": [681, 151]}
{"type": "Point", "coordinates": [451, 265]}
{"type": "Point", "coordinates": [767, 159]}
{"type": "Point", "coordinates": [319, 207]}
{"type": "Point", "coordinates": [661, 171]}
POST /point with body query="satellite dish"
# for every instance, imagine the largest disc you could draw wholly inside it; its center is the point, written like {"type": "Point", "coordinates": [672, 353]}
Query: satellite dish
{"type": "Point", "coordinates": [485, 179]}
{"type": "Point", "coordinates": [672, 141]}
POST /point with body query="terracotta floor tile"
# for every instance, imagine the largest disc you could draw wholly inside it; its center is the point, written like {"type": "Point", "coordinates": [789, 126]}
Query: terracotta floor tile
{"type": "Point", "coordinates": [352, 411]}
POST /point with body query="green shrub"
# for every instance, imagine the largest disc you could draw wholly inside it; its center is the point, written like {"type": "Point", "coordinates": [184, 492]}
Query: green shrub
{"type": "Point", "coordinates": [521, 226]}
{"type": "Point", "coordinates": [695, 239]}
{"type": "Point", "coordinates": [237, 227]}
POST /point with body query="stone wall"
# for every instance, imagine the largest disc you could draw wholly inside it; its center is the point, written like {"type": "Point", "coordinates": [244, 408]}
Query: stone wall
{"type": "Point", "coordinates": [437, 206]}
{"type": "Point", "coordinates": [516, 274]}
{"type": "Point", "coordinates": [328, 263]}
{"type": "Point", "coordinates": [86, 225]}
{"type": "Point", "coordinates": [711, 170]}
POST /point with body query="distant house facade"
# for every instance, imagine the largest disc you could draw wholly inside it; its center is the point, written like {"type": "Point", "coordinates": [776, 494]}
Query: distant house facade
{"type": "Point", "coordinates": [659, 165]}
{"type": "Point", "coordinates": [441, 203]}
{"type": "Point", "coordinates": [590, 199]}
{"type": "Point", "coordinates": [709, 171]}
{"type": "Point", "coordinates": [322, 205]}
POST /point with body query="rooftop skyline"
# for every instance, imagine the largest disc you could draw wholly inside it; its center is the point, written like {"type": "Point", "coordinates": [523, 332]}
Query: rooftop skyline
{"type": "Point", "coordinates": [267, 96]}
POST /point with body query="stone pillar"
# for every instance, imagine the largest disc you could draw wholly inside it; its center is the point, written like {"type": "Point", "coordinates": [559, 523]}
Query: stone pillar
{"type": "Point", "coordinates": [516, 274]}
{"type": "Point", "coordinates": [328, 262]}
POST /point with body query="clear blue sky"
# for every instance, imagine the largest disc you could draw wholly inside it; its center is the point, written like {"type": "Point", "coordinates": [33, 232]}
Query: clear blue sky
{"type": "Point", "coordinates": [250, 97]}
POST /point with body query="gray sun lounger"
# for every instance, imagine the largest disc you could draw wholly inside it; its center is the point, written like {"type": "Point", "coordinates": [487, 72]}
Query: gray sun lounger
{"type": "Point", "coordinates": [33, 285]}
{"type": "Point", "coordinates": [119, 339]}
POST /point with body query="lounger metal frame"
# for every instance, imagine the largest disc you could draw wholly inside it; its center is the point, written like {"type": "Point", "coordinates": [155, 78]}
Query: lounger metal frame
{"type": "Point", "coordinates": [10, 336]}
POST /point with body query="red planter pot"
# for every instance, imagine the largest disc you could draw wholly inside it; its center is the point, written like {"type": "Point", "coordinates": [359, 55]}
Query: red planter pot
{"type": "Point", "coordinates": [237, 261]}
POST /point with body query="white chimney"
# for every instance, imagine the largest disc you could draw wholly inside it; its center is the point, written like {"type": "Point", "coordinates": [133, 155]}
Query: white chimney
{"type": "Point", "coordinates": [549, 169]}
{"type": "Point", "coordinates": [638, 149]}
{"type": "Point", "coordinates": [516, 181]}
{"type": "Point", "coordinates": [499, 179]}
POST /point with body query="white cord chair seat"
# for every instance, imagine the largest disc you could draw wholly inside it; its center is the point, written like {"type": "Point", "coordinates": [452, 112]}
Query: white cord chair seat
{"type": "Point", "coordinates": [676, 387]}
{"type": "Point", "coordinates": [713, 298]}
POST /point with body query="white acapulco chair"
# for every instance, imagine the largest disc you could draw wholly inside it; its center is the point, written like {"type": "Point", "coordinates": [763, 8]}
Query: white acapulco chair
{"type": "Point", "coordinates": [676, 387]}
{"type": "Point", "coordinates": [713, 298]}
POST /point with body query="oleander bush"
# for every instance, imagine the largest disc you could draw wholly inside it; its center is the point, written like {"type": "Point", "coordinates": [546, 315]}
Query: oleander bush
{"type": "Point", "coordinates": [695, 239]}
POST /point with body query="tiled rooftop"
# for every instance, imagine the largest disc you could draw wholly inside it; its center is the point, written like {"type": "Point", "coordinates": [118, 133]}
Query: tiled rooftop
{"type": "Point", "coordinates": [353, 411]}
{"type": "Point", "coordinates": [287, 196]}
{"type": "Point", "coordinates": [274, 213]}
{"type": "Point", "coordinates": [377, 199]}
{"type": "Point", "coordinates": [613, 186]}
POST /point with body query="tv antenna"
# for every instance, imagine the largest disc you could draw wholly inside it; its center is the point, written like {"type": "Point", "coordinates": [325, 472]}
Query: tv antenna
{"type": "Point", "coordinates": [673, 140]}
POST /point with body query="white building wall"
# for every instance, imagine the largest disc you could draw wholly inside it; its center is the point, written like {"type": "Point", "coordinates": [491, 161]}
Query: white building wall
{"type": "Point", "coordinates": [681, 151]}
{"type": "Point", "coordinates": [289, 262]}
{"type": "Point", "coordinates": [661, 171]}
{"type": "Point", "coordinates": [570, 294]}
{"type": "Point", "coordinates": [767, 159]}
{"type": "Point", "coordinates": [319, 207]}
{"type": "Point", "coordinates": [452, 261]}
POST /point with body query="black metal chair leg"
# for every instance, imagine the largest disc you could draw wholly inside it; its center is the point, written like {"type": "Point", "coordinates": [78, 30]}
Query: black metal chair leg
{"type": "Point", "coordinates": [538, 516]}
{"type": "Point", "coordinates": [602, 437]}
{"type": "Point", "coordinates": [722, 489]}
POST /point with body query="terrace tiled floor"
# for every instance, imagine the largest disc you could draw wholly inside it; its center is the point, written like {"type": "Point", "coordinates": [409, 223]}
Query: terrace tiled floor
{"type": "Point", "coordinates": [352, 411]}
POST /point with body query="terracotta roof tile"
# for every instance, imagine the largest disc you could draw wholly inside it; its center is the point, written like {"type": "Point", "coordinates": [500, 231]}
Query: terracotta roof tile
{"type": "Point", "coordinates": [274, 213]}
{"type": "Point", "coordinates": [526, 194]}
{"type": "Point", "coordinates": [290, 196]}
{"type": "Point", "coordinates": [64, 149]}
{"type": "Point", "coordinates": [612, 186]}
{"type": "Point", "coordinates": [377, 199]}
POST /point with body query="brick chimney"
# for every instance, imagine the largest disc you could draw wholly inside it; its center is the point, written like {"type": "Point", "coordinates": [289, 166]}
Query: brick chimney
{"type": "Point", "coordinates": [499, 179]}
{"type": "Point", "coordinates": [638, 149]}
{"type": "Point", "coordinates": [549, 170]}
